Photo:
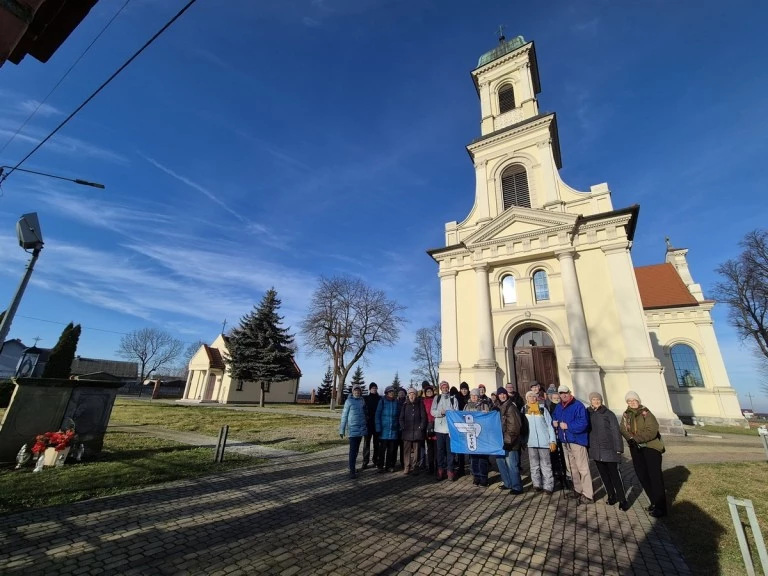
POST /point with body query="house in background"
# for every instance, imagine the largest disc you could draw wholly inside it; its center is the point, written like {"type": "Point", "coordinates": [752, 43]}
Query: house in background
{"type": "Point", "coordinates": [12, 352]}
{"type": "Point", "coordinates": [209, 381]}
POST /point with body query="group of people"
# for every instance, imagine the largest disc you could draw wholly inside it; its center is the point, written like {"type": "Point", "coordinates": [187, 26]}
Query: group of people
{"type": "Point", "coordinates": [558, 432]}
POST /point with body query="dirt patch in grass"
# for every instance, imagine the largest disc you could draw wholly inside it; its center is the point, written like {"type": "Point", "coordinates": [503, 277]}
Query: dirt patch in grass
{"type": "Point", "coordinates": [277, 430]}
{"type": "Point", "coordinates": [127, 462]}
{"type": "Point", "coordinates": [700, 520]}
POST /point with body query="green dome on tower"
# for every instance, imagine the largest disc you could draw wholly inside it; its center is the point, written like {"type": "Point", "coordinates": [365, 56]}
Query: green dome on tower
{"type": "Point", "coordinates": [504, 47]}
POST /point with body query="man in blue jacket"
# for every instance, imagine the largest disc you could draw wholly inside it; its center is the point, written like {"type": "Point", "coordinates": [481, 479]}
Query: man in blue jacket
{"type": "Point", "coordinates": [571, 421]}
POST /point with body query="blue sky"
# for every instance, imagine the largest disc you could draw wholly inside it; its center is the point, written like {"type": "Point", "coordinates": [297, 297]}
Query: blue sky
{"type": "Point", "coordinates": [260, 144]}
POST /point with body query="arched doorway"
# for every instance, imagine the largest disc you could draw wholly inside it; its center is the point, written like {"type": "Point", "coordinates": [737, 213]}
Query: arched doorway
{"type": "Point", "coordinates": [533, 357]}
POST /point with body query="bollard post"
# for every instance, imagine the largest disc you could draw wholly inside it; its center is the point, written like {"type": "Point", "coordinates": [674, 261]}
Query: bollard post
{"type": "Point", "coordinates": [218, 456]}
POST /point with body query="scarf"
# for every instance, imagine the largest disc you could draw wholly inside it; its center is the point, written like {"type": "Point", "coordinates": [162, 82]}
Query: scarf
{"type": "Point", "coordinates": [534, 409]}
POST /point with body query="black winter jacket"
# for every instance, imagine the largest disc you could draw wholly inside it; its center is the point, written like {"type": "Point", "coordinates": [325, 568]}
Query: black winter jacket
{"type": "Point", "coordinates": [605, 442]}
{"type": "Point", "coordinates": [371, 403]}
{"type": "Point", "coordinates": [413, 420]}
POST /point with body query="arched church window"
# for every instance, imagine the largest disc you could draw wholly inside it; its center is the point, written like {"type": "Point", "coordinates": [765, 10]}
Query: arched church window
{"type": "Point", "coordinates": [686, 365]}
{"type": "Point", "coordinates": [514, 187]}
{"type": "Point", "coordinates": [540, 285]}
{"type": "Point", "coordinates": [506, 98]}
{"type": "Point", "coordinates": [508, 290]}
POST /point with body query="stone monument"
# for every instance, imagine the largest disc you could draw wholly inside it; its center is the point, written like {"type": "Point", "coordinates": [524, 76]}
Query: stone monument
{"type": "Point", "coordinates": [46, 405]}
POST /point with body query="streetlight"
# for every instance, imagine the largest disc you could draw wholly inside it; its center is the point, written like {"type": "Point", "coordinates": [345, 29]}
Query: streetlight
{"type": "Point", "coordinates": [3, 176]}
{"type": "Point", "coordinates": [30, 237]}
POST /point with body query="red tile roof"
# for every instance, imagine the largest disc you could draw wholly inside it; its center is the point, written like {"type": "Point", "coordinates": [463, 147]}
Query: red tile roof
{"type": "Point", "coordinates": [214, 357]}
{"type": "Point", "coordinates": [661, 287]}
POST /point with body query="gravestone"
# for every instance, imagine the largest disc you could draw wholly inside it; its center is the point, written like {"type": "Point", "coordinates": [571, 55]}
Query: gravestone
{"type": "Point", "coordinates": [45, 405]}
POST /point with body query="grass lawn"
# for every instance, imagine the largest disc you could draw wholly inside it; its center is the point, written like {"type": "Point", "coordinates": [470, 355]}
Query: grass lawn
{"type": "Point", "coordinates": [700, 521]}
{"type": "Point", "coordinates": [301, 433]}
{"type": "Point", "coordinates": [127, 462]}
{"type": "Point", "coordinates": [725, 430]}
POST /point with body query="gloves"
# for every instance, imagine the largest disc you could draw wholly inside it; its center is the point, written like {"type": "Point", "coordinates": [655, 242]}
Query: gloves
{"type": "Point", "coordinates": [633, 443]}
{"type": "Point", "coordinates": [553, 447]}
{"type": "Point", "coordinates": [341, 436]}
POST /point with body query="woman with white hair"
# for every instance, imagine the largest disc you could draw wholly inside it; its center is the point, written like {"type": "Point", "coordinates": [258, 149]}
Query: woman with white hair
{"type": "Point", "coordinates": [541, 442]}
{"type": "Point", "coordinates": [641, 430]}
{"type": "Point", "coordinates": [606, 448]}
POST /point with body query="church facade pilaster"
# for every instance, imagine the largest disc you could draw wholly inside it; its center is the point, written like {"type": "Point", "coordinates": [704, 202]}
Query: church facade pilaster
{"type": "Point", "coordinates": [449, 364]}
{"type": "Point", "coordinates": [643, 370]}
{"type": "Point", "coordinates": [584, 370]}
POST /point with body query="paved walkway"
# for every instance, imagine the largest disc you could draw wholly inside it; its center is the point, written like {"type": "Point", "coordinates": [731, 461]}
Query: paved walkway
{"type": "Point", "coordinates": [299, 514]}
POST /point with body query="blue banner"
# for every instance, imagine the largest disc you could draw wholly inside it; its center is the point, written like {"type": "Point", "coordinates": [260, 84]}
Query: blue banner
{"type": "Point", "coordinates": [475, 432]}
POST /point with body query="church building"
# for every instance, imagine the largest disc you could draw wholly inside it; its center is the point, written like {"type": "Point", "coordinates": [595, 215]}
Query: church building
{"type": "Point", "coordinates": [537, 282]}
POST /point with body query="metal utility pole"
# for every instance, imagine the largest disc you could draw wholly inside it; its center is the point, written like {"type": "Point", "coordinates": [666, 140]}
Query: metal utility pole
{"type": "Point", "coordinates": [30, 236]}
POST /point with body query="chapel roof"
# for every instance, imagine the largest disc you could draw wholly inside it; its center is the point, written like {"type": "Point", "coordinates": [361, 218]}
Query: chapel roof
{"type": "Point", "coordinates": [660, 286]}
{"type": "Point", "coordinates": [214, 357]}
{"type": "Point", "coordinates": [504, 47]}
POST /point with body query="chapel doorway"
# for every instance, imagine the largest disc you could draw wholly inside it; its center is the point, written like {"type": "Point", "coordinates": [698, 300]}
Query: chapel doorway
{"type": "Point", "coordinates": [208, 395]}
{"type": "Point", "coordinates": [534, 358]}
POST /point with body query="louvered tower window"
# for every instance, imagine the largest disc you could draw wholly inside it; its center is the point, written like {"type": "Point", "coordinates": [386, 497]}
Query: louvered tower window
{"type": "Point", "coordinates": [514, 187]}
{"type": "Point", "coordinates": [506, 98]}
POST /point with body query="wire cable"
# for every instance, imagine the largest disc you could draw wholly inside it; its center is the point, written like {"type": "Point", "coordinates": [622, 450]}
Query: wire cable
{"type": "Point", "coordinates": [104, 84]}
{"type": "Point", "coordinates": [44, 100]}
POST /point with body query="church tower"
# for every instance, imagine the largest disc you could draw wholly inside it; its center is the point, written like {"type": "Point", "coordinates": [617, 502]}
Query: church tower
{"type": "Point", "coordinates": [537, 282]}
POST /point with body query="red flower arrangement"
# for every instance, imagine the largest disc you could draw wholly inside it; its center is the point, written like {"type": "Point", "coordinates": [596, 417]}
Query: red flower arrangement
{"type": "Point", "coordinates": [57, 440]}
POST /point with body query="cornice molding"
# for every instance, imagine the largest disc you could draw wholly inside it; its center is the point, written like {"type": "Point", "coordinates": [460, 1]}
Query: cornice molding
{"type": "Point", "coordinates": [528, 126]}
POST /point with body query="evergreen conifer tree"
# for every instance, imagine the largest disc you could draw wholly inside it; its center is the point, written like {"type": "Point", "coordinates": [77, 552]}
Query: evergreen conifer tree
{"type": "Point", "coordinates": [358, 380]}
{"type": "Point", "coordinates": [323, 393]}
{"type": "Point", "coordinates": [59, 363]}
{"type": "Point", "coordinates": [260, 349]}
{"type": "Point", "coordinates": [396, 382]}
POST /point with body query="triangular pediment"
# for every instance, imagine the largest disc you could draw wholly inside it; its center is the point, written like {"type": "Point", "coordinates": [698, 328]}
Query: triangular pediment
{"type": "Point", "coordinates": [520, 222]}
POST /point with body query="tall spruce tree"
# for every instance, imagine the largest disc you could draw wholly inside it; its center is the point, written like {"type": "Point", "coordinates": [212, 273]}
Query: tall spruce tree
{"type": "Point", "coordinates": [260, 349]}
{"type": "Point", "coordinates": [396, 382]}
{"type": "Point", "coordinates": [323, 393]}
{"type": "Point", "coordinates": [357, 379]}
{"type": "Point", "coordinates": [59, 363]}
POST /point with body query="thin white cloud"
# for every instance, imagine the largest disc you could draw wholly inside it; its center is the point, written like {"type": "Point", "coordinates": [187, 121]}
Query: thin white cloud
{"type": "Point", "coordinates": [38, 108]}
{"type": "Point", "coordinates": [66, 145]}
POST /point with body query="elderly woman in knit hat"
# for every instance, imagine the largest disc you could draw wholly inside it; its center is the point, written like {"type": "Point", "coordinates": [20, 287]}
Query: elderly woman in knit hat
{"type": "Point", "coordinates": [606, 448]}
{"type": "Point", "coordinates": [413, 425]}
{"type": "Point", "coordinates": [541, 442]}
{"type": "Point", "coordinates": [641, 430]}
{"type": "Point", "coordinates": [440, 405]}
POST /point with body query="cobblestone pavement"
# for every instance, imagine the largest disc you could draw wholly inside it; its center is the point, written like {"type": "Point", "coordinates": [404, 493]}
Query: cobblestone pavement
{"type": "Point", "coordinates": [302, 515]}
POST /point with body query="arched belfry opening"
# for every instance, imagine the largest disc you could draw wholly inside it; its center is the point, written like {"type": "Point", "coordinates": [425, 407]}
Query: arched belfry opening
{"type": "Point", "coordinates": [532, 357]}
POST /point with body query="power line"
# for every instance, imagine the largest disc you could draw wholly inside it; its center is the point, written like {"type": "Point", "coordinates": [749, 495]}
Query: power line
{"type": "Point", "coordinates": [44, 100]}
{"type": "Point", "coordinates": [88, 327]}
{"type": "Point", "coordinates": [103, 85]}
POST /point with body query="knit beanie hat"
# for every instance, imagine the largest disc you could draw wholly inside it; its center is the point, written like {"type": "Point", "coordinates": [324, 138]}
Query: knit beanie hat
{"type": "Point", "coordinates": [357, 387]}
{"type": "Point", "coordinates": [389, 389]}
{"type": "Point", "coordinates": [632, 395]}
{"type": "Point", "coordinates": [475, 392]}
{"type": "Point", "coordinates": [595, 395]}
{"type": "Point", "coordinates": [373, 385]}
{"type": "Point", "coordinates": [502, 391]}
{"type": "Point", "coordinates": [551, 390]}
{"type": "Point", "coordinates": [445, 385]}
{"type": "Point", "coordinates": [412, 390]}
{"type": "Point", "coordinates": [464, 385]}
{"type": "Point", "coordinates": [425, 385]}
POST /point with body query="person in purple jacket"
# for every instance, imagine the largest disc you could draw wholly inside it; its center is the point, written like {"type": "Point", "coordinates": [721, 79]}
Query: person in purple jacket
{"type": "Point", "coordinates": [571, 422]}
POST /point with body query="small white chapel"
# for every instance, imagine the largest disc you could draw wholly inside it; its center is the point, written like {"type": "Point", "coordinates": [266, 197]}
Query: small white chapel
{"type": "Point", "coordinates": [537, 282]}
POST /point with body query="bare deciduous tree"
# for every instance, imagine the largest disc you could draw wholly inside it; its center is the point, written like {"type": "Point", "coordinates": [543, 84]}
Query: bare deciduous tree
{"type": "Point", "coordinates": [151, 348]}
{"type": "Point", "coordinates": [426, 354]}
{"type": "Point", "coordinates": [346, 319]}
{"type": "Point", "coordinates": [745, 289]}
